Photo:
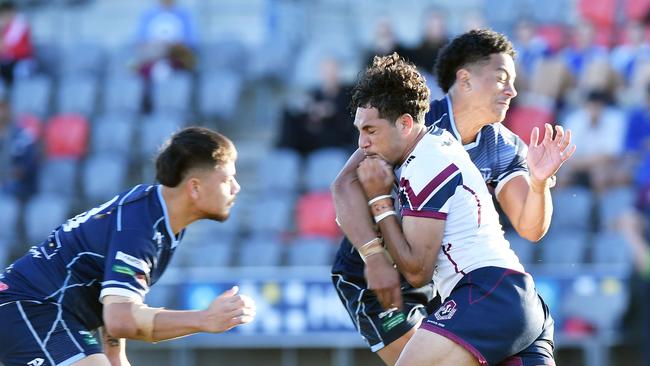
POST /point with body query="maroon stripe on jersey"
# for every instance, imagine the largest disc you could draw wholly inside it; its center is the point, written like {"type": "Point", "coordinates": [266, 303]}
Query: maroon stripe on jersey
{"type": "Point", "coordinates": [445, 249]}
{"type": "Point", "coordinates": [417, 200]}
{"type": "Point", "coordinates": [429, 214]}
{"type": "Point", "coordinates": [478, 202]}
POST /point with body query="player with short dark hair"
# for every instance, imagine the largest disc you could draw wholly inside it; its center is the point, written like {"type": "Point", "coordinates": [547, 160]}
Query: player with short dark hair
{"type": "Point", "coordinates": [95, 270]}
{"type": "Point", "coordinates": [449, 231]}
{"type": "Point", "coordinates": [476, 70]}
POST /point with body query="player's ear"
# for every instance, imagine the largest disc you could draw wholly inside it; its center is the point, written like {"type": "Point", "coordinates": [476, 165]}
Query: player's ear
{"type": "Point", "coordinates": [406, 123]}
{"type": "Point", "coordinates": [463, 80]}
{"type": "Point", "coordinates": [192, 188]}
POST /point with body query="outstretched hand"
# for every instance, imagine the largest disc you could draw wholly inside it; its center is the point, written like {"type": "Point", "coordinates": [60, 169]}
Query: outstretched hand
{"type": "Point", "coordinates": [227, 311]}
{"type": "Point", "coordinates": [547, 156]}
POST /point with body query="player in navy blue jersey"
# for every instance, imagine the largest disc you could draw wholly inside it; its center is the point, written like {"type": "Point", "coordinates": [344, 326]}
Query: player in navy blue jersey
{"type": "Point", "coordinates": [474, 70]}
{"type": "Point", "coordinates": [95, 270]}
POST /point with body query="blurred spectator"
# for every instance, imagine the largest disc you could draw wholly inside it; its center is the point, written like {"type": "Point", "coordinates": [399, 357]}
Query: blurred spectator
{"type": "Point", "coordinates": [584, 49]}
{"type": "Point", "coordinates": [634, 50]}
{"type": "Point", "coordinates": [435, 36]}
{"type": "Point", "coordinates": [19, 153]}
{"type": "Point", "coordinates": [167, 39]}
{"type": "Point", "coordinates": [16, 44]}
{"type": "Point", "coordinates": [384, 42]}
{"type": "Point", "coordinates": [637, 141]}
{"type": "Point", "coordinates": [325, 120]}
{"type": "Point", "coordinates": [530, 48]}
{"type": "Point", "coordinates": [598, 131]}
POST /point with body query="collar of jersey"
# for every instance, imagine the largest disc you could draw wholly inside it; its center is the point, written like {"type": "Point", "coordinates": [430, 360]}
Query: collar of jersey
{"type": "Point", "coordinates": [454, 131]}
{"type": "Point", "coordinates": [170, 232]}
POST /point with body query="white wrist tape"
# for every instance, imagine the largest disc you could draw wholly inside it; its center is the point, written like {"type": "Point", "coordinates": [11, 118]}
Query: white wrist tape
{"type": "Point", "coordinates": [384, 215]}
{"type": "Point", "coordinates": [378, 198]}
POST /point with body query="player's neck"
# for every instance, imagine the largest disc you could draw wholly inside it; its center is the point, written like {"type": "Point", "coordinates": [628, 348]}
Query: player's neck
{"type": "Point", "coordinates": [418, 132]}
{"type": "Point", "coordinates": [179, 212]}
{"type": "Point", "coordinates": [468, 120]}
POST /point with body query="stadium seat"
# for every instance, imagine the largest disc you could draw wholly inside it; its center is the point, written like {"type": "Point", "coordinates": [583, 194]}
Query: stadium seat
{"type": "Point", "coordinates": [572, 208]}
{"type": "Point", "coordinates": [554, 35]}
{"type": "Point", "coordinates": [274, 215]}
{"type": "Point", "coordinates": [280, 160]}
{"type": "Point", "coordinates": [315, 215]}
{"type": "Point", "coordinates": [123, 94]}
{"type": "Point", "coordinates": [219, 93]}
{"type": "Point", "coordinates": [113, 133]}
{"type": "Point", "coordinates": [600, 302]}
{"type": "Point", "coordinates": [613, 203]}
{"type": "Point", "coordinates": [173, 94]}
{"type": "Point", "coordinates": [44, 213]}
{"type": "Point", "coordinates": [154, 131]}
{"type": "Point", "coordinates": [261, 250]}
{"type": "Point", "coordinates": [77, 94]}
{"type": "Point", "coordinates": [224, 54]}
{"type": "Point", "coordinates": [524, 249]}
{"type": "Point", "coordinates": [87, 59]}
{"type": "Point", "coordinates": [32, 96]}
{"type": "Point", "coordinates": [102, 176]}
{"type": "Point", "coordinates": [10, 209]}
{"type": "Point", "coordinates": [58, 176]}
{"type": "Point", "coordinates": [637, 9]}
{"type": "Point", "coordinates": [563, 247]}
{"type": "Point", "coordinates": [522, 119]}
{"type": "Point", "coordinates": [601, 13]}
{"type": "Point", "coordinates": [610, 247]}
{"type": "Point", "coordinates": [66, 136]}
{"type": "Point", "coordinates": [210, 255]}
{"type": "Point", "coordinates": [310, 251]}
{"type": "Point", "coordinates": [322, 167]}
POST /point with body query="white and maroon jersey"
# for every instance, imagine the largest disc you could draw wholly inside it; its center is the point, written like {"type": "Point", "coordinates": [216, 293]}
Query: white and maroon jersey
{"type": "Point", "coordinates": [439, 180]}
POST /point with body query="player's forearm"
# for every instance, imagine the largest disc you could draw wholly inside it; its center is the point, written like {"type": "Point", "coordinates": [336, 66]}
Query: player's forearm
{"type": "Point", "coordinates": [535, 217]}
{"type": "Point", "coordinates": [351, 206]}
{"type": "Point", "coordinates": [114, 349]}
{"type": "Point", "coordinates": [409, 261]}
{"type": "Point", "coordinates": [170, 324]}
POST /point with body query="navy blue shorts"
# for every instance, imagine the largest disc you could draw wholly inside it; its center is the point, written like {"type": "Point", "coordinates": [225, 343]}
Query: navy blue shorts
{"type": "Point", "coordinates": [497, 315]}
{"type": "Point", "coordinates": [42, 334]}
{"type": "Point", "coordinates": [379, 327]}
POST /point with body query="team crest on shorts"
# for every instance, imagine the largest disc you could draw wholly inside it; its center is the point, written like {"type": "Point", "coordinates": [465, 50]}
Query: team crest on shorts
{"type": "Point", "coordinates": [446, 311]}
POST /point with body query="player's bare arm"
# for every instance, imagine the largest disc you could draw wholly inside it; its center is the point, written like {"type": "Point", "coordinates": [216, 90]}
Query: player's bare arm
{"type": "Point", "coordinates": [125, 318]}
{"type": "Point", "coordinates": [114, 349]}
{"type": "Point", "coordinates": [413, 244]}
{"type": "Point", "coordinates": [354, 218]}
{"type": "Point", "coordinates": [527, 202]}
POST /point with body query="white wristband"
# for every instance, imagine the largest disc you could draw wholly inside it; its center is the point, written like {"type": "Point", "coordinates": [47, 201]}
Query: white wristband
{"type": "Point", "coordinates": [380, 197]}
{"type": "Point", "coordinates": [384, 215]}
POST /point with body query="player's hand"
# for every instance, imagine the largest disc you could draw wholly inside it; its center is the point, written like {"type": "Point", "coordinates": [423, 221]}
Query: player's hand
{"type": "Point", "coordinates": [228, 310]}
{"type": "Point", "coordinates": [545, 157]}
{"type": "Point", "coordinates": [384, 280]}
{"type": "Point", "coordinates": [376, 176]}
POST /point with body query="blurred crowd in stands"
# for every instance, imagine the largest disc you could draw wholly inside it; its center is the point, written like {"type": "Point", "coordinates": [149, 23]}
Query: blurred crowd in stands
{"type": "Point", "coordinates": [79, 123]}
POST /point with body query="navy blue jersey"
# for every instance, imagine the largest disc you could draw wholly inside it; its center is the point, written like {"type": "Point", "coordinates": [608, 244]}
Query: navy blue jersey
{"type": "Point", "coordinates": [119, 248]}
{"type": "Point", "coordinates": [499, 155]}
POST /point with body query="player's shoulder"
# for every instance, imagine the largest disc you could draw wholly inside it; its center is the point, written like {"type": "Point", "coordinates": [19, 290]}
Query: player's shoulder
{"type": "Point", "coordinates": [134, 206]}
{"type": "Point", "coordinates": [438, 112]}
{"type": "Point", "coordinates": [501, 136]}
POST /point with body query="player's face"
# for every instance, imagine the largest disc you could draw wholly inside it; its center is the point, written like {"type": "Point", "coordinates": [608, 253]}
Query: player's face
{"type": "Point", "coordinates": [377, 136]}
{"type": "Point", "coordinates": [493, 86]}
{"type": "Point", "coordinates": [218, 191]}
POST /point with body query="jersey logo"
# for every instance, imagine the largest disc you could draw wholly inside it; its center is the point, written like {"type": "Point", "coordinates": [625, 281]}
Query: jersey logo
{"type": "Point", "coordinates": [446, 311]}
{"type": "Point", "coordinates": [36, 362]}
{"type": "Point", "coordinates": [3, 286]}
{"type": "Point", "coordinates": [409, 160]}
{"type": "Point", "coordinates": [486, 173]}
{"type": "Point", "coordinates": [158, 237]}
{"type": "Point", "coordinates": [132, 261]}
{"type": "Point", "coordinates": [35, 252]}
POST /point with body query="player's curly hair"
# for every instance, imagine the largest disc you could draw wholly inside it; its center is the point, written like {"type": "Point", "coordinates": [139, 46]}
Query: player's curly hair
{"type": "Point", "coordinates": [472, 47]}
{"type": "Point", "coordinates": [192, 148]}
{"type": "Point", "coordinates": [393, 86]}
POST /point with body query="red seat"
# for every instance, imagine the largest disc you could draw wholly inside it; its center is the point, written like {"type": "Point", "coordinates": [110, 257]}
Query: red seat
{"type": "Point", "coordinates": [601, 13]}
{"type": "Point", "coordinates": [554, 35]}
{"type": "Point", "coordinates": [315, 215]}
{"type": "Point", "coordinates": [66, 136]}
{"type": "Point", "coordinates": [523, 119]}
{"type": "Point", "coordinates": [637, 9]}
